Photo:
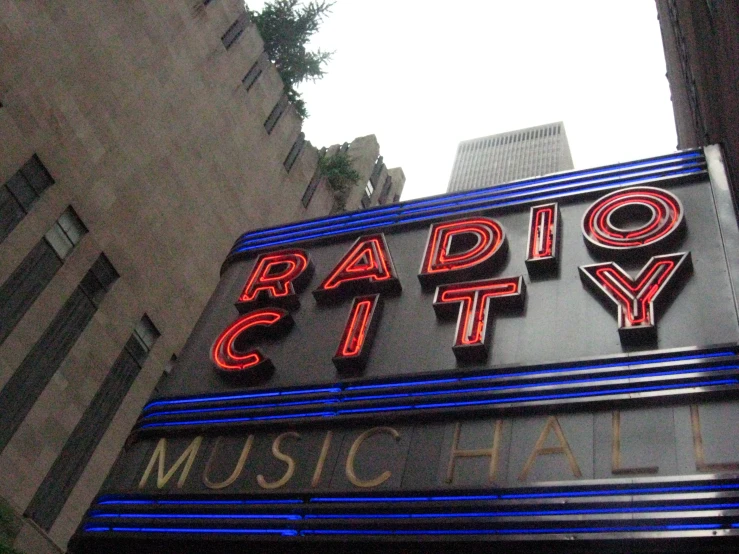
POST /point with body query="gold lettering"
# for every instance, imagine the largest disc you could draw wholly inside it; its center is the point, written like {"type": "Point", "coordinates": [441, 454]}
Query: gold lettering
{"type": "Point", "coordinates": [283, 457]}
{"type": "Point", "coordinates": [321, 459]}
{"type": "Point", "coordinates": [475, 453]}
{"type": "Point", "coordinates": [237, 470]}
{"type": "Point", "coordinates": [540, 450]}
{"type": "Point", "coordinates": [187, 458]}
{"type": "Point", "coordinates": [351, 475]}
{"type": "Point", "coordinates": [616, 468]}
{"type": "Point", "coordinates": [700, 454]}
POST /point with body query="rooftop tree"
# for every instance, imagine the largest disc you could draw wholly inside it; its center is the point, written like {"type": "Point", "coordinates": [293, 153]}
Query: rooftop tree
{"type": "Point", "coordinates": [286, 27]}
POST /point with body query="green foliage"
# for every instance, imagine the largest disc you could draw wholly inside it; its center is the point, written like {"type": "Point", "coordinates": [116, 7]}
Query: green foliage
{"type": "Point", "coordinates": [340, 175]}
{"type": "Point", "coordinates": [286, 28]}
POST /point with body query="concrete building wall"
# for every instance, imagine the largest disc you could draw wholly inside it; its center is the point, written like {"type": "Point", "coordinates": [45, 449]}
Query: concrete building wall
{"type": "Point", "coordinates": [138, 111]}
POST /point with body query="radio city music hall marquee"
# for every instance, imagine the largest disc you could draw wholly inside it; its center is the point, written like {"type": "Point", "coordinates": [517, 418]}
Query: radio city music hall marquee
{"type": "Point", "coordinates": [546, 360]}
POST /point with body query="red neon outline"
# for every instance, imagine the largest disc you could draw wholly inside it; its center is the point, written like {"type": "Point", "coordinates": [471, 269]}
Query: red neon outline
{"type": "Point", "coordinates": [230, 360]}
{"type": "Point", "coordinates": [279, 285]}
{"type": "Point", "coordinates": [355, 332]}
{"type": "Point", "coordinates": [440, 240]}
{"type": "Point", "coordinates": [473, 299]}
{"type": "Point", "coordinates": [668, 218]}
{"type": "Point", "coordinates": [607, 275]}
{"type": "Point", "coordinates": [548, 224]}
{"type": "Point", "coordinates": [377, 269]}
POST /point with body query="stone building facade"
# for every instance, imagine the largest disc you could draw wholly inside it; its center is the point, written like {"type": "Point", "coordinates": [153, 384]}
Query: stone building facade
{"type": "Point", "coordinates": [701, 43]}
{"type": "Point", "coordinates": [137, 141]}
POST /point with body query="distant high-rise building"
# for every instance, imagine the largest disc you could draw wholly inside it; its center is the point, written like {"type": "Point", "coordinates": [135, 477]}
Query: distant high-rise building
{"type": "Point", "coordinates": [487, 161]}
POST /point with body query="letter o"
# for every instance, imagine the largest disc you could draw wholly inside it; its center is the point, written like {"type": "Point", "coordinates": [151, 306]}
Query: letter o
{"type": "Point", "coordinates": [632, 219]}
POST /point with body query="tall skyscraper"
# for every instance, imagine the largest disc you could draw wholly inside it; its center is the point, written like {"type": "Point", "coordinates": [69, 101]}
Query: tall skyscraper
{"type": "Point", "coordinates": [487, 161]}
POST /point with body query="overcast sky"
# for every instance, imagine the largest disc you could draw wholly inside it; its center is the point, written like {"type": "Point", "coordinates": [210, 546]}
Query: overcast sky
{"type": "Point", "coordinates": [423, 79]}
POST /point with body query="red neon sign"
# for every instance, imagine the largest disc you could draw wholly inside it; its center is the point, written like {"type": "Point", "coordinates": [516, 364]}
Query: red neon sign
{"type": "Point", "coordinates": [542, 254]}
{"type": "Point", "coordinates": [637, 300]}
{"type": "Point", "coordinates": [231, 353]}
{"type": "Point", "coordinates": [476, 299]}
{"type": "Point", "coordinates": [606, 226]}
{"type": "Point", "coordinates": [276, 279]}
{"type": "Point", "coordinates": [359, 333]}
{"type": "Point", "coordinates": [366, 267]}
{"type": "Point", "coordinates": [482, 243]}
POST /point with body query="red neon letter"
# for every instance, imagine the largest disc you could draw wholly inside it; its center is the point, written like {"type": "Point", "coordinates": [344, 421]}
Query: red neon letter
{"type": "Point", "coordinates": [476, 299]}
{"type": "Point", "coordinates": [543, 252]}
{"type": "Point", "coordinates": [359, 332]}
{"type": "Point", "coordinates": [230, 352]}
{"type": "Point", "coordinates": [275, 279]}
{"type": "Point", "coordinates": [367, 267]}
{"type": "Point", "coordinates": [460, 250]}
{"type": "Point", "coordinates": [636, 300]}
{"type": "Point", "coordinates": [633, 218]}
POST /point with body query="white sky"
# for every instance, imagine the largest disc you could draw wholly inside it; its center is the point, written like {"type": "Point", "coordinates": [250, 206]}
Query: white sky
{"type": "Point", "coordinates": [424, 75]}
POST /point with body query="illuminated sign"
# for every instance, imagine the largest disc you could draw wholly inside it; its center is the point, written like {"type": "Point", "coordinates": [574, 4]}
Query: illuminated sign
{"type": "Point", "coordinates": [551, 359]}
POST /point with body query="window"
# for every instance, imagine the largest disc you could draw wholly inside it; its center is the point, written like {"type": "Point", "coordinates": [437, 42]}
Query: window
{"type": "Point", "coordinates": [234, 31]}
{"type": "Point", "coordinates": [276, 113]}
{"type": "Point", "coordinates": [385, 192]}
{"type": "Point", "coordinates": [295, 151]}
{"type": "Point", "coordinates": [66, 233]}
{"type": "Point", "coordinates": [142, 340]}
{"type": "Point", "coordinates": [369, 189]}
{"type": "Point", "coordinates": [37, 270]}
{"type": "Point", "coordinates": [98, 280]}
{"type": "Point", "coordinates": [27, 383]}
{"type": "Point", "coordinates": [256, 70]}
{"type": "Point", "coordinates": [20, 192]}
{"type": "Point", "coordinates": [64, 474]}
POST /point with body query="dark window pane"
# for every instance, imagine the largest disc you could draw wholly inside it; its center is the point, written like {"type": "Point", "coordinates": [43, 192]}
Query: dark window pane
{"type": "Point", "coordinates": [234, 31]}
{"type": "Point", "coordinates": [99, 279]}
{"type": "Point", "coordinates": [36, 174]}
{"type": "Point", "coordinates": [11, 213]}
{"type": "Point", "coordinates": [255, 71]}
{"type": "Point", "coordinates": [58, 484]}
{"type": "Point", "coordinates": [25, 285]}
{"type": "Point", "coordinates": [29, 380]}
{"type": "Point", "coordinates": [276, 113]}
{"type": "Point", "coordinates": [19, 187]}
{"type": "Point", "coordinates": [295, 151]}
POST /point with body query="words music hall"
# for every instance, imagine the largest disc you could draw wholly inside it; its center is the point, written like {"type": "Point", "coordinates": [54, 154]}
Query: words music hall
{"type": "Point", "coordinates": [550, 362]}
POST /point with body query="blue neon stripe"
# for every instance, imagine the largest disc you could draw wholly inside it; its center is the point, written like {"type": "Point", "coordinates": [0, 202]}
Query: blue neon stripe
{"type": "Point", "coordinates": [239, 419]}
{"type": "Point", "coordinates": [536, 530]}
{"type": "Point", "coordinates": [240, 396]}
{"type": "Point", "coordinates": [543, 397]}
{"type": "Point", "coordinates": [507, 400]}
{"type": "Point", "coordinates": [631, 377]}
{"type": "Point", "coordinates": [241, 407]}
{"type": "Point", "coordinates": [613, 174]}
{"type": "Point", "coordinates": [284, 532]}
{"type": "Point", "coordinates": [115, 502]}
{"type": "Point", "coordinates": [533, 513]}
{"type": "Point", "coordinates": [555, 494]}
{"type": "Point", "coordinates": [338, 388]}
{"type": "Point", "coordinates": [292, 517]}
{"type": "Point", "coordinates": [519, 196]}
{"type": "Point", "coordinates": [572, 176]}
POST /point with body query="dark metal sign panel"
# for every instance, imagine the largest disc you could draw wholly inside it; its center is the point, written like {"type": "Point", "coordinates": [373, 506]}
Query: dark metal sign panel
{"type": "Point", "coordinates": [546, 360]}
